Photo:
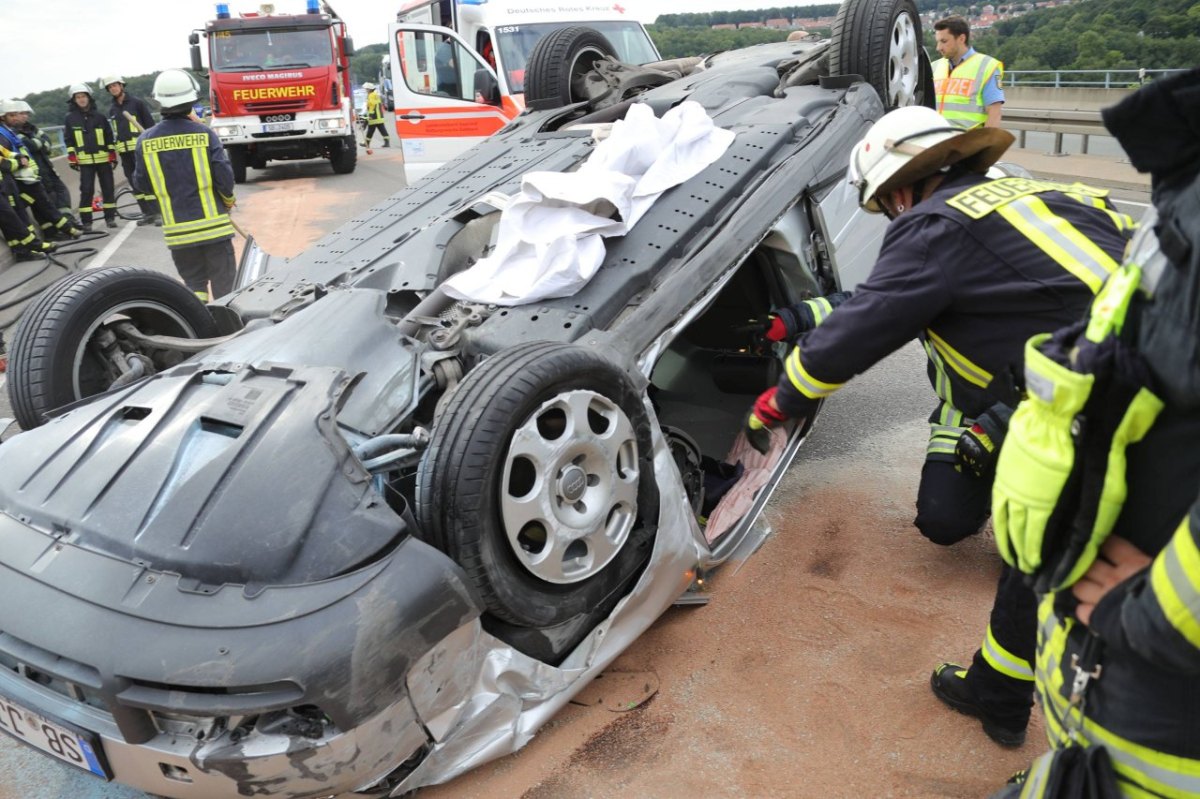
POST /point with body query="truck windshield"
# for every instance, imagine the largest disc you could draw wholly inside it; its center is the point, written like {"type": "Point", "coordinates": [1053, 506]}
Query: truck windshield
{"type": "Point", "coordinates": [277, 48]}
{"type": "Point", "coordinates": [629, 39]}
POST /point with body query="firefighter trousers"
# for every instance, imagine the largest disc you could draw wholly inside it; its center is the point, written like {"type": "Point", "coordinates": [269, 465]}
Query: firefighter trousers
{"type": "Point", "coordinates": [203, 264]}
{"type": "Point", "coordinates": [382, 128]}
{"type": "Point", "coordinates": [148, 203]}
{"type": "Point", "coordinates": [88, 175]}
{"type": "Point", "coordinates": [17, 232]}
{"type": "Point", "coordinates": [952, 505]}
{"type": "Point", "coordinates": [51, 220]}
{"type": "Point", "coordinates": [56, 190]}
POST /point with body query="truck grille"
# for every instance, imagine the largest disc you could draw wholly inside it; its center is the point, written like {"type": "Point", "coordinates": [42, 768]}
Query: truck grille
{"type": "Point", "coordinates": [277, 106]}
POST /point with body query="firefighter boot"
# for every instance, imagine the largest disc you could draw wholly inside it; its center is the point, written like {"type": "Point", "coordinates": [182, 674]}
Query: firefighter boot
{"type": "Point", "coordinates": [949, 684]}
{"type": "Point", "coordinates": [32, 252]}
{"type": "Point", "coordinates": [387, 142]}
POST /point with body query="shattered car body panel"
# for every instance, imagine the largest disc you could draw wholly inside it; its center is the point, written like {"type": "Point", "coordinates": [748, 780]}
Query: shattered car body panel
{"type": "Point", "coordinates": [247, 605]}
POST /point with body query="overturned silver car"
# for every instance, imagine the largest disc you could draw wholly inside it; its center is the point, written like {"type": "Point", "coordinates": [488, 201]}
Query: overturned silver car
{"type": "Point", "coordinates": [339, 534]}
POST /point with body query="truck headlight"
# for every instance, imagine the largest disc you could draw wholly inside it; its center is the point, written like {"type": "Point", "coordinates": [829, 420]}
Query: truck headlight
{"type": "Point", "coordinates": [225, 131]}
{"type": "Point", "coordinates": [331, 123]}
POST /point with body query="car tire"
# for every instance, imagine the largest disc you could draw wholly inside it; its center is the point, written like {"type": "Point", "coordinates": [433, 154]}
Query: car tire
{"type": "Point", "coordinates": [558, 63]}
{"type": "Point", "coordinates": [881, 41]}
{"type": "Point", "coordinates": [589, 507]}
{"type": "Point", "coordinates": [50, 364]}
{"type": "Point", "coordinates": [345, 156]}
{"type": "Point", "coordinates": [237, 160]}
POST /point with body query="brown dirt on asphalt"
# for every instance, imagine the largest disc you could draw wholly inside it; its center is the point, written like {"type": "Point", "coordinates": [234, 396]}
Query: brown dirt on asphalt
{"type": "Point", "coordinates": [806, 675]}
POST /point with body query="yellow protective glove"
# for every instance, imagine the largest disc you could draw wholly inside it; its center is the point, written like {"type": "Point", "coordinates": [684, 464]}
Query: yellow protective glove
{"type": "Point", "coordinates": [1038, 457]}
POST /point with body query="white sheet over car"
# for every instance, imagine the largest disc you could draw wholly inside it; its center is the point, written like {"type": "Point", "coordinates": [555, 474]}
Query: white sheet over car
{"type": "Point", "coordinates": [550, 239]}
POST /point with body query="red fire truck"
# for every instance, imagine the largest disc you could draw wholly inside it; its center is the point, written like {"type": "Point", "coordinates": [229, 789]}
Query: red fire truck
{"type": "Point", "coordinates": [279, 86]}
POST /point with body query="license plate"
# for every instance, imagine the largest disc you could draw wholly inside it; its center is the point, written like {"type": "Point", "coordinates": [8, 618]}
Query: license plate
{"type": "Point", "coordinates": [74, 747]}
{"type": "Point", "coordinates": [276, 127]}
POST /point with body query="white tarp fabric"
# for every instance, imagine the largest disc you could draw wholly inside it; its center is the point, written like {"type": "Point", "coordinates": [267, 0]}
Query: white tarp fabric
{"type": "Point", "coordinates": [550, 239]}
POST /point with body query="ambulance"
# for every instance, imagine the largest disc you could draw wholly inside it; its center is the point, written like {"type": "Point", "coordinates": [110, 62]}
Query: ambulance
{"type": "Point", "coordinates": [458, 66]}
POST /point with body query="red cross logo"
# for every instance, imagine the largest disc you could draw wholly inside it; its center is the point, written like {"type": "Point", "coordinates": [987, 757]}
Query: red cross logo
{"type": "Point", "coordinates": [618, 8]}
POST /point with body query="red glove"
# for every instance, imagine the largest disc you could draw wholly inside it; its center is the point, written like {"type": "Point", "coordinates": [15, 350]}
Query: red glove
{"type": "Point", "coordinates": [762, 417]}
{"type": "Point", "coordinates": [112, 156]}
{"type": "Point", "coordinates": [73, 161]}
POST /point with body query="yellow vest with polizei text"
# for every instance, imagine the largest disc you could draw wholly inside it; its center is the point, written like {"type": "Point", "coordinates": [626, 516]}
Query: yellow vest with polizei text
{"type": "Point", "coordinates": [960, 91]}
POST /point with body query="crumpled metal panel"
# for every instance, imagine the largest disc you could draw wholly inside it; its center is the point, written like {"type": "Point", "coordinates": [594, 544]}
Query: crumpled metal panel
{"type": "Point", "coordinates": [481, 699]}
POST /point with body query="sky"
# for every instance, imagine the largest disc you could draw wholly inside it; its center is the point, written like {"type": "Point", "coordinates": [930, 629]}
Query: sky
{"type": "Point", "coordinates": [51, 43]}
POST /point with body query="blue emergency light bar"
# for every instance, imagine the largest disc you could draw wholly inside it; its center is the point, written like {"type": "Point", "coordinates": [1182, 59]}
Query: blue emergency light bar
{"type": "Point", "coordinates": [314, 6]}
{"type": "Point", "coordinates": [222, 10]}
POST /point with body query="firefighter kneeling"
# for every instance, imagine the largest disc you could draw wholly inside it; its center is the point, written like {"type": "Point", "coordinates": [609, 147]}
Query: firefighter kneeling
{"type": "Point", "coordinates": [972, 268]}
{"type": "Point", "coordinates": [185, 166]}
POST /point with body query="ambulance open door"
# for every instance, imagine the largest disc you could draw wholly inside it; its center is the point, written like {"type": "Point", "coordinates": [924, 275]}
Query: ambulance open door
{"type": "Point", "coordinates": [446, 97]}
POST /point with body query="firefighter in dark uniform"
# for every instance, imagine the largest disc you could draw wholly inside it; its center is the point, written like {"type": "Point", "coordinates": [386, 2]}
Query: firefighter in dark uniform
{"type": "Point", "coordinates": [130, 117]}
{"type": "Point", "coordinates": [972, 268]}
{"type": "Point", "coordinates": [31, 193]}
{"type": "Point", "coordinates": [19, 234]}
{"type": "Point", "coordinates": [39, 146]}
{"type": "Point", "coordinates": [1114, 552]}
{"type": "Point", "coordinates": [91, 152]}
{"type": "Point", "coordinates": [183, 164]}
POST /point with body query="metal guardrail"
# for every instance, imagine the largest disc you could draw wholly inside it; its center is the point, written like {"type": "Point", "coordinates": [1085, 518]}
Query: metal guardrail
{"type": "Point", "coordinates": [1066, 78]}
{"type": "Point", "coordinates": [1058, 122]}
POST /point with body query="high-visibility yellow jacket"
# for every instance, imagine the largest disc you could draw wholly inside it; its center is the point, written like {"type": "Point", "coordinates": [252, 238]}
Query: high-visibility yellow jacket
{"type": "Point", "coordinates": [959, 90]}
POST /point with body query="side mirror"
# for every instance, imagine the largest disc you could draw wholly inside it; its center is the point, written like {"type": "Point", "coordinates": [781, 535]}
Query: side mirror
{"type": "Point", "coordinates": [193, 38]}
{"type": "Point", "coordinates": [348, 46]}
{"type": "Point", "coordinates": [197, 65]}
{"type": "Point", "coordinates": [487, 86]}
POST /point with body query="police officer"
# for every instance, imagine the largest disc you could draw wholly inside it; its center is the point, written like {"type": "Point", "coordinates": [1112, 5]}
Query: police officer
{"type": "Point", "coordinates": [966, 82]}
{"type": "Point", "coordinates": [30, 191]}
{"type": "Point", "coordinates": [39, 146]}
{"type": "Point", "coordinates": [972, 268]}
{"type": "Point", "coordinates": [182, 163]}
{"type": "Point", "coordinates": [130, 116]}
{"type": "Point", "coordinates": [91, 152]}
{"type": "Point", "coordinates": [1117, 559]}
{"type": "Point", "coordinates": [375, 120]}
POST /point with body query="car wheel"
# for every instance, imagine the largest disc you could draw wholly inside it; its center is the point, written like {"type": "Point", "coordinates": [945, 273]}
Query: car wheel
{"type": "Point", "coordinates": [237, 160]}
{"type": "Point", "coordinates": [559, 63]}
{"type": "Point", "coordinates": [540, 483]}
{"type": "Point", "coordinates": [54, 360]}
{"type": "Point", "coordinates": [881, 41]}
{"type": "Point", "coordinates": [345, 156]}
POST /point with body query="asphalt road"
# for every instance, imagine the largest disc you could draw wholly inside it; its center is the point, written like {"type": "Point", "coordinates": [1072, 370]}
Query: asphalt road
{"type": "Point", "coordinates": [869, 438]}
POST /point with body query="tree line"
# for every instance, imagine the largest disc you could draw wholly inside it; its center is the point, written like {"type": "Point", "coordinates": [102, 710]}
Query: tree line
{"type": "Point", "coordinates": [1099, 34]}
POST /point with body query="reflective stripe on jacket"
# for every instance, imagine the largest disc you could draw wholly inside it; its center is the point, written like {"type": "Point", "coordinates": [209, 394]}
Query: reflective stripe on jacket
{"type": "Point", "coordinates": [973, 289]}
{"type": "Point", "coordinates": [960, 91]}
{"type": "Point", "coordinates": [88, 135]}
{"type": "Point", "coordinates": [184, 165]}
{"type": "Point", "coordinates": [127, 134]}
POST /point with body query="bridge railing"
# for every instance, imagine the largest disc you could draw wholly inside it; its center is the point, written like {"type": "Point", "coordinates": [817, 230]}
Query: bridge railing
{"type": "Point", "coordinates": [1057, 121]}
{"type": "Point", "coordinates": [1105, 78]}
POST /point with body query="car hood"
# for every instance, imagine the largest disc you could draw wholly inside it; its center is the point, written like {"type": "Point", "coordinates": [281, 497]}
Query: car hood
{"type": "Point", "coordinates": [230, 468]}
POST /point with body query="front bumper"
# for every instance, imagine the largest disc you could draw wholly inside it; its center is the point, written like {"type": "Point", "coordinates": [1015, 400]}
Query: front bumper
{"type": "Point", "coordinates": [196, 696]}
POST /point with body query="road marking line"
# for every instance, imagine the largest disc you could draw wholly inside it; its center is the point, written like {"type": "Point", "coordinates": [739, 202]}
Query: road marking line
{"type": "Point", "coordinates": [112, 247]}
